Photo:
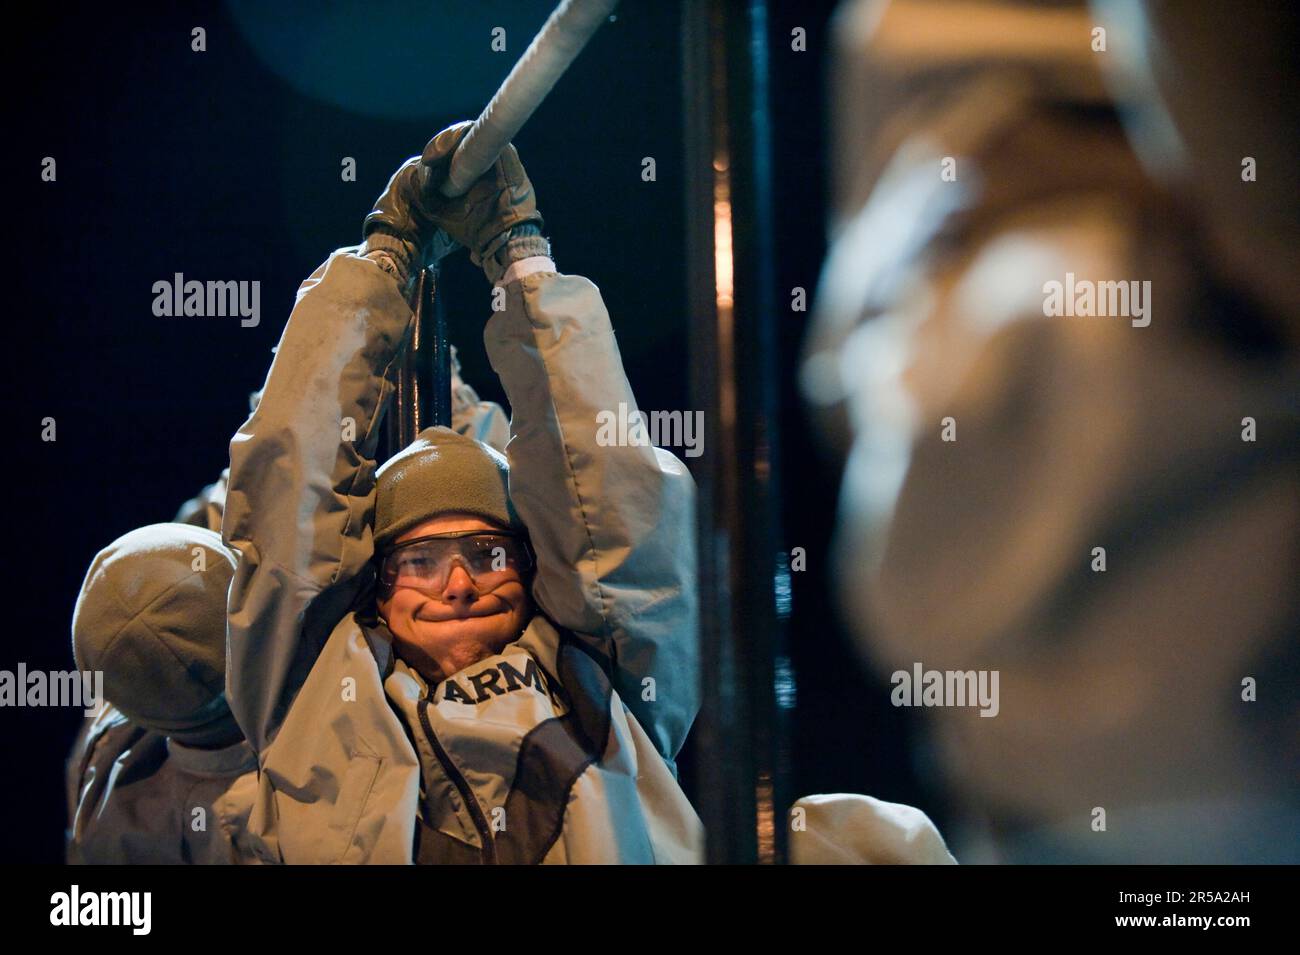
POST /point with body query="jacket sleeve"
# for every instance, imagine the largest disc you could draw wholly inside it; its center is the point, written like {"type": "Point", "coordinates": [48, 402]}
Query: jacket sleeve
{"type": "Point", "coordinates": [300, 503]}
{"type": "Point", "coordinates": [612, 526]}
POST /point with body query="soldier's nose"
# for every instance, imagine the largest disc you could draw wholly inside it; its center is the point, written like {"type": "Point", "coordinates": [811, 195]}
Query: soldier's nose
{"type": "Point", "coordinates": [460, 587]}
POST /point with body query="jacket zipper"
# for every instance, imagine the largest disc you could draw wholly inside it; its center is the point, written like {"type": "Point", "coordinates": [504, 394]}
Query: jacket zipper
{"type": "Point", "coordinates": [462, 786]}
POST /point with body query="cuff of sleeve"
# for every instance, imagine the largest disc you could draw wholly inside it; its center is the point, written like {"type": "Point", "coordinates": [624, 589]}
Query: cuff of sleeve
{"type": "Point", "coordinates": [517, 270]}
{"type": "Point", "coordinates": [526, 242]}
{"type": "Point", "coordinates": [396, 256]}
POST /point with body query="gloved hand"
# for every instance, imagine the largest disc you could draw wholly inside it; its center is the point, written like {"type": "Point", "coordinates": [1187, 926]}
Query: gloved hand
{"type": "Point", "coordinates": [414, 210]}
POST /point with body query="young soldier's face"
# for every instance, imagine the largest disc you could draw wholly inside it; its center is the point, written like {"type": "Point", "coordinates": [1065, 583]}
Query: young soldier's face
{"type": "Point", "coordinates": [443, 628]}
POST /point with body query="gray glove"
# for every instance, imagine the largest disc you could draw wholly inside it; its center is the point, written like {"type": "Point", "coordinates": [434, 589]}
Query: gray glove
{"type": "Point", "coordinates": [413, 212]}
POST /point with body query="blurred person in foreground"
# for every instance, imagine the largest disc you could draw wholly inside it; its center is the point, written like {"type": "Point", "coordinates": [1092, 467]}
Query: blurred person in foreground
{"type": "Point", "coordinates": [1056, 339]}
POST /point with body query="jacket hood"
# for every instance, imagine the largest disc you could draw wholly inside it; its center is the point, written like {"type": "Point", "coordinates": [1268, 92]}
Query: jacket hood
{"type": "Point", "coordinates": [151, 616]}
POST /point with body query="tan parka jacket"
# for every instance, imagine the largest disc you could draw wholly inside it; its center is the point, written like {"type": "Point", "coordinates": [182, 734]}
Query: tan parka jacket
{"type": "Point", "coordinates": [137, 797]}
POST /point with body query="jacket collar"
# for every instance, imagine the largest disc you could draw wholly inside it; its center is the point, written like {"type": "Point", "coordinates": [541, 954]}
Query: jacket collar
{"type": "Point", "coordinates": [227, 761]}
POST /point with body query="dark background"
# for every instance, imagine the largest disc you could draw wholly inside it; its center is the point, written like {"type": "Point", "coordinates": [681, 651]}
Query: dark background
{"type": "Point", "coordinates": [220, 166]}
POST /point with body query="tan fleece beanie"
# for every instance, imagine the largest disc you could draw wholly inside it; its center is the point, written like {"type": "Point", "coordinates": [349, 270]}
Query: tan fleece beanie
{"type": "Point", "coordinates": [152, 616]}
{"type": "Point", "coordinates": [441, 472]}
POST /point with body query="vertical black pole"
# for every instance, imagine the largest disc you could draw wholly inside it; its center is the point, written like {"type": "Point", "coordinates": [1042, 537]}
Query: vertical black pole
{"type": "Point", "coordinates": [423, 393]}
{"type": "Point", "coordinates": [742, 754]}
{"type": "Point", "coordinates": [438, 344]}
{"type": "Point", "coordinates": [404, 410]}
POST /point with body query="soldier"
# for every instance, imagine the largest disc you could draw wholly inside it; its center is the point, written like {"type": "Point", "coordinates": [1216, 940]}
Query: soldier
{"type": "Point", "coordinates": [464, 657]}
{"type": "Point", "coordinates": [162, 775]}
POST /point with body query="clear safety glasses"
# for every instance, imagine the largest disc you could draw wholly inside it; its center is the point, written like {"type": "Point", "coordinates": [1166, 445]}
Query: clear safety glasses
{"type": "Point", "coordinates": [425, 563]}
